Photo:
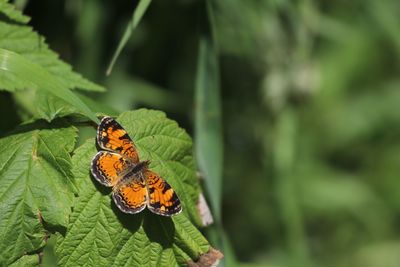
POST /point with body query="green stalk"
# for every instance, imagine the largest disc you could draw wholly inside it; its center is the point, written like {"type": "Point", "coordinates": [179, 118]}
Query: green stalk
{"type": "Point", "coordinates": [136, 17]}
{"type": "Point", "coordinates": [284, 159]}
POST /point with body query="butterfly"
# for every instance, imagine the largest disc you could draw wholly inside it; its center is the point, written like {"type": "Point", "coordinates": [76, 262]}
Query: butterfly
{"type": "Point", "coordinates": [134, 185]}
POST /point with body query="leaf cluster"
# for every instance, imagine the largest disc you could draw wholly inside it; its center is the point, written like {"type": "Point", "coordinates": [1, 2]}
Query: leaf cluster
{"type": "Point", "coordinates": [46, 187]}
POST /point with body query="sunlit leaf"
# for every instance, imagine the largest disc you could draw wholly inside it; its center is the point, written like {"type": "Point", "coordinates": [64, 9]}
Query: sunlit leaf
{"type": "Point", "coordinates": [100, 234]}
{"type": "Point", "coordinates": [36, 187]}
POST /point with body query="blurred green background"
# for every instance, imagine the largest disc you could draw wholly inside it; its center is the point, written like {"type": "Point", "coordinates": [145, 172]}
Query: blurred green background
{"type": "Point", "coordinates": [309, 94]}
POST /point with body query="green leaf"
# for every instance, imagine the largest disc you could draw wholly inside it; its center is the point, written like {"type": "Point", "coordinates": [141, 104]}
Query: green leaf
{"type": "Point", "coordinates": [11, 12]}
{"type": "Point", "coordinates": [42, 105]}
{"type": "Point", "coordinates": [12, 64]}
{"type": "Point", "coordinates": [99, 234]}
{"type": "Point", "coordinates": [36, 185]}
{"type": "Point", "coordinates": [23, 40]}
{"type": "Point", "coordinates": [208, 130]}
{"type": "Point", "coordinates": [27, 260]}
{"type": "Point", "coordinates": [136, 17]}
{"type": "Point", "coordinates": [208, 125]}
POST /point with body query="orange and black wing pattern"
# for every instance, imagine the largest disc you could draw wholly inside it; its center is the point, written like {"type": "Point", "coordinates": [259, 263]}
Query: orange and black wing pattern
{"type": "Point", "coordinates": [134, 185]}
{"type": "Point", "coordinates": [113, 137]}
{"type": "Point", "coordinates": [108, 167]}
{"type": "Point", "coordinates": [162, 198]}
{"type": "Point", "coordinates": [132, 196]}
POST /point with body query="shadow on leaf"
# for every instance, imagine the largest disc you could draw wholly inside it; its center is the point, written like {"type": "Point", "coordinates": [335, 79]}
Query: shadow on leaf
{"type": "Point", "coordinates": [131, 222]}
{"type": "Point", "coordinates": [58, 123]}
{"type": "Point", "coordinates": [101, 188]}
{"type": "Point", "coordinates": [159, 229]}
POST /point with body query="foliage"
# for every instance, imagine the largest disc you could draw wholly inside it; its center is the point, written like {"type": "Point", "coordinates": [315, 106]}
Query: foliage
{"type": "Point", "coordinates": [37, 186]}
{"type": "Point", "coordinates": [46, 192]}
{"type": "Point", "coordinates": [97, 231]}
{"type": "Point", "coordinates": [317, 120]}
{"type": "Point", "coordinates": [27, 64]}
{"type": "Point", "coordinates": [304, 115]}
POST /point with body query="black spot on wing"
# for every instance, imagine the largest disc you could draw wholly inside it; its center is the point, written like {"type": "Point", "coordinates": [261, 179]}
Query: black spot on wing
{"type": "Point", "coordinates": [166, 187]}
{"type": "Point", "coordinates": [156, 205]}
{"type": "Point", "coordinates": [151, 190]}
{"type": "Point", "coordinates": [125, 136]}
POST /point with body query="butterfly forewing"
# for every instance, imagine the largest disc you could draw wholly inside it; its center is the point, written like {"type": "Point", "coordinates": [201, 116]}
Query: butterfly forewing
{"type": "Point", "coordinates": [108, 167]}
{"type": "Point", "coordinates": [112, 136]}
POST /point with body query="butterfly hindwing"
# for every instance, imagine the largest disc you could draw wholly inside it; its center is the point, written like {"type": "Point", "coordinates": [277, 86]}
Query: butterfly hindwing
{"type": "Point", "coordinates": [132, 196]}
{"type": "Point", "coordinates": [112, 136]}
{"type": "Point", "coordinates": [162, 198]}
{"type": "Point", "coordinates": [108, 167]}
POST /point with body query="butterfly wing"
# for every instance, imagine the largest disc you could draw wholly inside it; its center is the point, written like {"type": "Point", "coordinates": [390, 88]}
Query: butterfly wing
{"type": "Point", "coordinates": [130, 193]}
{"type": "Point", "coordinates": [162, 198]}
{"type": "Point", "coordinates": [108, 167]}
{"type": "Point", "coordinates": [113, 137]}
{"type": "Point", "coordinates": [132, 196]}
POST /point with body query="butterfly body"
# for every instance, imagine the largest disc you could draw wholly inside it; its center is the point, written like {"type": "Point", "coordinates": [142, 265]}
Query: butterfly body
{"type": "Point", "coordinates": [133, 174]}
{"type": "Point", "coordinates": [134, 185]}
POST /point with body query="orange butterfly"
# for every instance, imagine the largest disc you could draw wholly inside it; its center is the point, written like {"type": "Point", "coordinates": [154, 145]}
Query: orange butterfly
{"type": "Point", "coordinates": [134, 185]}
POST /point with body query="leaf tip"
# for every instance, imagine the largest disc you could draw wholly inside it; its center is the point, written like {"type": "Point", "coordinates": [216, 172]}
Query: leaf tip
{"type": "Point", "coordinates": [209, 259]}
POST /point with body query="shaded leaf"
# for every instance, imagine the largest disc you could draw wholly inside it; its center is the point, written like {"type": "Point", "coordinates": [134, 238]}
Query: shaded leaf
{"type": "Point", "coordinates": [23, 40]}
{"type": "Point", "coordinates": [11, 12]}
{"type": "Point", "coordinates": [208, 130]}
{"type": "Point", "coordinates": [42, 105]}
{"type": "Point", "coordinates": [30, 73]}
